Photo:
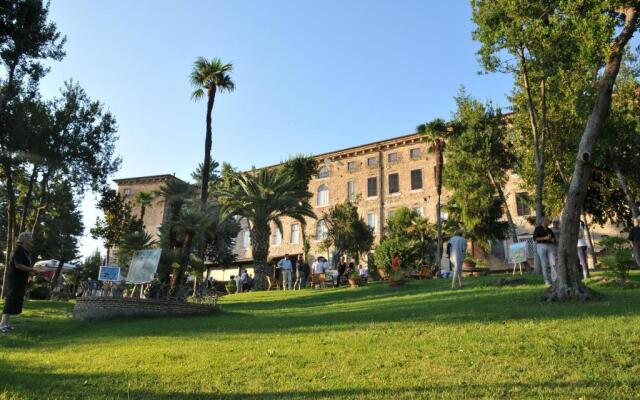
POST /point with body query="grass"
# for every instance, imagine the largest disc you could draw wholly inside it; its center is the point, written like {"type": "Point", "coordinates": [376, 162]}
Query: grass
{"type": "Point", "coordinates": [423, 341]}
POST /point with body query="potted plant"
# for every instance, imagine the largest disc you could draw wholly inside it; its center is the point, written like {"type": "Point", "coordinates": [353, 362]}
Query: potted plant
{"type": "Point", "coordinates": [469, 262]}
{"type": "Point", "coordinates": [396, 278]}
{"type": "Point", "coordinates": [354, 279]}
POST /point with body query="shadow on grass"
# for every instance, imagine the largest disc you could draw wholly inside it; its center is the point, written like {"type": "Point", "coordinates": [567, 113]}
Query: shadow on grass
{"type": "Point", "coordinates": [22, 382]}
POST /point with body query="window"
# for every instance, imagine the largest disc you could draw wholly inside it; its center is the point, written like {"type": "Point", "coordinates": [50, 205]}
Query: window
{"type": "Point", "coordinates": [321, 230]}
{"type": "Point", "coordinates": [522, 203]}
{"type": "Point", "coordinates": [416, 179]}
{"type": "Point", "coordinates": [419, 211]}
{"type": "Point", "coordinates": [323, 172]}
{"type": "Point", "coordinates": [372, 161]}
{"type": "Point", "coordinates": [390, 213]}
{"type": "Point", "coordinates": [127, 192]}
{"type": "Point", "coordinates": [372, 186]}
{"type": "Point", "coordinates": [372, 221]}
{"type": "Point", "coordinates": [277, 237]}
{"type": "Point", "coordinates": [394, 183]}
{"type": "Point", "coordinates": [323, 196]}
{"type": "Point", "coordinates": [351, 191]}
{"type": "Point", "coordinates": [246, 239]}
{"type": "Point", "coordinates": [352, 166]}
{"type": "Point", "coordinates": [295, 234]}
{"type": "Point", "coordinates": [393, 157]}
{"type": "Point", "coordinates": [415, 153]}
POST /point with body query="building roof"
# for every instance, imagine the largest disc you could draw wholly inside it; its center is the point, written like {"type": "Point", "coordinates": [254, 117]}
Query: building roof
{"type": "Point", "coordinates": [150, 178]}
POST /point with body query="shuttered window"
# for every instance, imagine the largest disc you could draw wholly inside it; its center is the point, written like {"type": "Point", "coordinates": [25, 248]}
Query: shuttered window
{"type": "Point", "coordinates": [394, 183]}
{"type": "Point", "coordinates": [372, 187]}
{"type": "Point", "coordinates": [416, 179]}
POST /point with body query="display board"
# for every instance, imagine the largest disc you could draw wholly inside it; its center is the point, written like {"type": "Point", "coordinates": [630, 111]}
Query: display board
{"type": "Point", "coordinates": [518, 253]}
{"type": "Point", "coordinates": [109, 273]}
{"type": "Point", "coordinates": [144, 265]}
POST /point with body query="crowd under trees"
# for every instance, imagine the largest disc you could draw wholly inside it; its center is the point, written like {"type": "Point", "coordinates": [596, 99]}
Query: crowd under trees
{"type": "Point", "coordinates": [572, 134]}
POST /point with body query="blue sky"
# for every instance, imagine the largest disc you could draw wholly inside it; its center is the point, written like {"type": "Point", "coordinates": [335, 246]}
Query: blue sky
{"type": "Point", "coordinates": [311, 76]}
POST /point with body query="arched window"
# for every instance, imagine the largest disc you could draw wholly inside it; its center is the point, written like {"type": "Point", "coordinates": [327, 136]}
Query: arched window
{"type": "Point", "coordinates": [323, 196]}
{"type": "Point", "coordinates": [323, 172]}
{"type": "Point", "coordinates": [321, 230]}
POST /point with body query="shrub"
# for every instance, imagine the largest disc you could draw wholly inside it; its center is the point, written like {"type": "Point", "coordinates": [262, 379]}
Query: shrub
{"type": "Point", "coordinates": [619, 258]}
{"type": "Point", "coordinates": [409, 250]}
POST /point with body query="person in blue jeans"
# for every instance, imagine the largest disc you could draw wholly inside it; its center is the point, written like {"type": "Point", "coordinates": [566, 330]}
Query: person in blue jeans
{"type": "Point", "coordinates": [286, 267]}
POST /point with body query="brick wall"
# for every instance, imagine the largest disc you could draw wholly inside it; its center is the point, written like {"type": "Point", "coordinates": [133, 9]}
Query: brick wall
{"type": "Point", "coordinates": [91, 308]}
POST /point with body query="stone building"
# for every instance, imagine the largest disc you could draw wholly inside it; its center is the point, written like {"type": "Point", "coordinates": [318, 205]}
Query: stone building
{"type": "Point", "coordinates": [154, 214]}
{"type": "Point", "coordinates": [379, 177]}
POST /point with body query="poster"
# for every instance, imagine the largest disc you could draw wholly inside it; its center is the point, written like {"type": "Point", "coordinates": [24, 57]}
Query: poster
{"type": "Point", "coordinates": [144, 265]}
{"type": "Point", "coordinates": [518, 252]}
{"type": "Point", "coordinates": [109, 273]}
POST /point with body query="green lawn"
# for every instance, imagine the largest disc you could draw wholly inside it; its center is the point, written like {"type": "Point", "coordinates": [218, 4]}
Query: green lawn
{"type": "Point", "coordinates": [424, 341]}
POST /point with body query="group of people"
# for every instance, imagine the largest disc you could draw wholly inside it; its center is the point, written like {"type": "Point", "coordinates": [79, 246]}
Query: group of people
{"type": "Point", "coordinates": [244, 281]}
{"type": "Point", "coordinates": [546, 239]}
{"type": "Point", "coordinates": [320, 265]}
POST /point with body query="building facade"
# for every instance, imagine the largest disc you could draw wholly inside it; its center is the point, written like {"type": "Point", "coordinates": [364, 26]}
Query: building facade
{"type": "Point", "coordinates": [154, 214]}
{"type": "Point", "coordinates": [379, 178]}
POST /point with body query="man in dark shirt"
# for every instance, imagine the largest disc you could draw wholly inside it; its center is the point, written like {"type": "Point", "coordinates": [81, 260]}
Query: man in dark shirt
{"type": "Point", "coordinates": [546, 248]}
{"type": "Point", "coordinates": [634, 240]}
{"type": "Point", "coordinates": [17, 276]}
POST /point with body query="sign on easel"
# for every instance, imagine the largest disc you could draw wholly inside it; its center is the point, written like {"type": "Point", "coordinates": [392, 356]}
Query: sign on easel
{"type": "Point", "coordinates": [144, 265]}
{"type": "Point", "coordinates": [109, 273]}
{"type": "Point", "coordinates": [518, 254]}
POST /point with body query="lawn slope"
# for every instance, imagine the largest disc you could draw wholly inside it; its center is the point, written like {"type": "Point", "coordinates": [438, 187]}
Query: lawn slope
{"type": "Point", "coordinates": [424, 341]}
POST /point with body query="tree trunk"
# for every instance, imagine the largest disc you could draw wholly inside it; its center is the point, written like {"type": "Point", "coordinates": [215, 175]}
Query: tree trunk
{"type": "Point", "coordinates": [260, 251]}
{"type": "Point", "coordinates": [44, 184]}
{"type": "Point", "coordinates": [11, 216]}
{"type": "Point", "coordinates": [622, 182]}
{"type": "Point", "coordinates": [568, 286]}
{"type": "Point", "coordinates": [512, 227]}
{"type": "Point", "coordinates": [204, 191]}
{"type": "Point", "coordinates": [142, 211]}
{"type": "Point", "coordinates": [439, 165]}
{"type": "Point", "coordinates": [27, 198]}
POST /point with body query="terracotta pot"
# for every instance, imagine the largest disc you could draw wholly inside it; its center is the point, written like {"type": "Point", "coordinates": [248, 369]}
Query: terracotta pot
{"type": "Point", "coordinates": [468, 265]}
{"type": "Point", "coordinates": [353, 283]}
{"type": "Point", "coordinates": [396, 283]}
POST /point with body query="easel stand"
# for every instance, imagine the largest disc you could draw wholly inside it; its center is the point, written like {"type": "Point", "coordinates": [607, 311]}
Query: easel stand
{"type": "Point", "coordinates": [517, 266]}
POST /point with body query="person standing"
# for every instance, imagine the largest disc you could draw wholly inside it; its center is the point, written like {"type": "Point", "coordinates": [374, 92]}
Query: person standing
{"type": "Point", "coordinates": [342, 267]}
{"type": "Point", "coordinates": [18, 272]}
{"type": "Point", "coordinates": [286, 268]}
{"type": "Point", "coordinates": [582, 251]}
{"type": "Point", "coordinates": [458, 251]}
{"type": "Point", "coordinates": [634, 240]}
{"type": "Point", "coordinates": [239, 282]}
{"type": "Point", "coordinates": [301, 273]}
{"type": "Point", "coordinates": [546, 248]}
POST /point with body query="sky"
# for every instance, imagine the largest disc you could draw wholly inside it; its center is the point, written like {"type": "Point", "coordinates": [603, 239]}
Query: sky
{"type": "Point", "coordinates": [311, 76]}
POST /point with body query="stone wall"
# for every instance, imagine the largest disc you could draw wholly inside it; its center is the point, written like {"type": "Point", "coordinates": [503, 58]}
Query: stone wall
{"type": "Point", "coordinates": [91, 308]}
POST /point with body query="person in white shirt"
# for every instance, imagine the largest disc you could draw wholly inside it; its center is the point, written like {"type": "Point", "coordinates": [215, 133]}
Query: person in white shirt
{"type": "Point", "coordinates": [286, 267]}
{"type": "Point", "coordinates": [318, 266]}
{"type": "Point", "coordinates": [363, 272]}
{"type": "Point", "coordinates": [458, 251]}
{"type": "Point", "coordinates": [582, 251]}
{"type": "Point", "coordinates": [238, 284]}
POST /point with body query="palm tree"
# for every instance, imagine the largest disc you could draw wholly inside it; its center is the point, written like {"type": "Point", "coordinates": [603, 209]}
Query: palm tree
{"type": "Point", "coordinates": [264, 197]}
{"type": "Point", "coordinates": [175, 193]}
{"type": "Point", "coordinates": [191, 224]}
{"type": "Point", "coordinates": [209, 76]}
{"type": "Point", "coordinates": [422, 229]}
{"type": "Point", "coordinates": [436, 132]}
{"type": "Point", "coordinates": [143, 199]}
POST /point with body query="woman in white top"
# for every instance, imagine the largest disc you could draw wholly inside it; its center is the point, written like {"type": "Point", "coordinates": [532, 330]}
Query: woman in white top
{"type": "Point", "coordinates": [582, 251]}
